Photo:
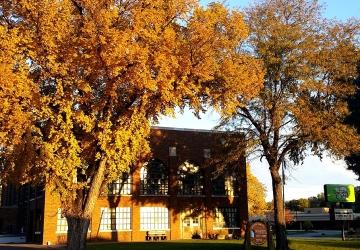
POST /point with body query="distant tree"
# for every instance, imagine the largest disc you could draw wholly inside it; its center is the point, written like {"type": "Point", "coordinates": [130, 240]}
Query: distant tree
{"type": "Point", "coordinates": [256, 195]}
{"type": "Point", "coordinates": [307, 225]}
{"type": "Point", "coordinates": [353, 161]}
{"type": "Point", "coordinates": [82, 80]}
{"type": "Point", "coordinates": [297, 204]}
{"type": "Point", "coordinates": [270, 205]}
{"type": "Point", "coordinates": [317, 201]}
{"type": "Point", "coordinates": [289, 217]}
{"type": "Point", "coordinates": [310, 64]}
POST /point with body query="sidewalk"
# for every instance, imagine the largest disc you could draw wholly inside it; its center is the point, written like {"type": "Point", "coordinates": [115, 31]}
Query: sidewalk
{"type": "Point", "coordinates": [28, 247]}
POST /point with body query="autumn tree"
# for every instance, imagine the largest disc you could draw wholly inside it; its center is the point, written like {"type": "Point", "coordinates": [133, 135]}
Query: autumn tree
{"type": "Point", "coordinates": [297, 204]}
{"type": "Point", "coordinates": [98, 72]}
{"type": "Point", "coordinates": [353, 119]}
{"type": "Point", "coordinates": [310, 64]}
{"type": "Point", "coordinates": [256, 195]}
{"type": "Point", "coordinates": [16, 93]}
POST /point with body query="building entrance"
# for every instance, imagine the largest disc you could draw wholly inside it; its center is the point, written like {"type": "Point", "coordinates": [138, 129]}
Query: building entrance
{"type": "Point", "coordinates": [192, 226]}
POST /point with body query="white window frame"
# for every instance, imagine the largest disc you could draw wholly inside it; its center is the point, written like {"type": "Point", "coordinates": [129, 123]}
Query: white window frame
{"type": "Point", "coordinates": [150, 186]}
{"type": "Point", "coordinates": [190, 180]}
{"type": "Point", "coordinates": [154, 218]}
{"type": "Point", "coordinates": [126, 188]}
{"type": "Point", "coordinates": [220, 212]}
{"type": "Point", "coordinates": [61, 223]}
{"type": "Point", "coordinates": [122, 219]}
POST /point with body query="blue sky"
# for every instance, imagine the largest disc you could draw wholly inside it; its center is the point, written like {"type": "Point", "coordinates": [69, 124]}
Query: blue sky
{"type": "Point", "coordinates": [340, 9]}
{"type": "Point", "coordinates": [305, 180]}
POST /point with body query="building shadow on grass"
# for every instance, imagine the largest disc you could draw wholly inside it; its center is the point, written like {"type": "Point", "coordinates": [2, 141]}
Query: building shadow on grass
{"type": "Point", "coordinates": [173, 245]}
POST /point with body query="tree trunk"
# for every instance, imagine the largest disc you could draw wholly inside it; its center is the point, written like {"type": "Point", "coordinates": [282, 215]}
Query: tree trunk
{"type": "Point", "coordinates": [78, 222]}
{"type": "Point", "coordinates": [77, 232]}
{"type": "Point", "coordinates": [280, 226]}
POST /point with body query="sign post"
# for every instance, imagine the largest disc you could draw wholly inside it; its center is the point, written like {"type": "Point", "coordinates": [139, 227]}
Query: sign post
{"type": "Point", "coordinates": [340, 194]}
{"type": "Point", "coordinates": [258, 233]}
{"type": "Point", "coordinates": [343, 215]}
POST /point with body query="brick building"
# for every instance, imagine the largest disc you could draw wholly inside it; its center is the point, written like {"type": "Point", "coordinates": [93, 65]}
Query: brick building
{"type": "Point", "coordinates": [174, 195]}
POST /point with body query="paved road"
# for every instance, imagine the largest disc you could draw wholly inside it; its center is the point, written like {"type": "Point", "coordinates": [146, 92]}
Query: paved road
{"type": "Point", "coordinates": [315, 234]}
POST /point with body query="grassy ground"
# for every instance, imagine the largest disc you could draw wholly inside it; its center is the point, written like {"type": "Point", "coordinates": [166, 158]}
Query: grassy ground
{"type": "Point", "coordinates": [323, 244]}
{"type": "Point", "coordinates": [295, 244]}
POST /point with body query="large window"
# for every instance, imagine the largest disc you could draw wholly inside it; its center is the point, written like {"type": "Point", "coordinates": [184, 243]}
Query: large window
{"type": "Point", "coordinates": [154, 218]}
{"type": "Point", "coordinates": [154, 178]}
{"type": "Point", "coordinates": [61, 223]}
{"type": "Point", "coordinates": [218, 186]}
{"type": "Point", "coordinates": [190, 179]}
{"type": "Point", "coordinates": [231, 185]}
{"type": "Point", "coordinates": [225, 185]}
{"type": "Point", "coordinates": [121, 186]}
{"type": "Point", "coordinates": [113, 219]}
{"type": "Point", "coordinates": [227, 217]}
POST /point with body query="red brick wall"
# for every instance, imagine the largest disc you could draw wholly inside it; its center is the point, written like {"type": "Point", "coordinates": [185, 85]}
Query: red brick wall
{"type": "Point", "coordinates": [190, 145]}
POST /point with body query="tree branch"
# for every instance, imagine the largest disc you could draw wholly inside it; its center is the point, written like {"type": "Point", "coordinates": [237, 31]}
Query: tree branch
{"type": "Point", "coordinates": [78, 7]}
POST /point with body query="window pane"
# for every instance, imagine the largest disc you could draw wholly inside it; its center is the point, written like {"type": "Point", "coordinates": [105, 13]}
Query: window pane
{"type": "Point", "coordinates": [154, 178]}
{"type": "Point", "coordinates": [61, 225]}
{"type": "Point", "coordinates": [121, 186]}
{"type": "Point", "coordinates": [190, 179]}
{"type": "Point", "coordinates": [226, 218]}
{"type": "Point", "coordinates": [154, 218]}
{"type": "Point", "coordinates": [115, 218]}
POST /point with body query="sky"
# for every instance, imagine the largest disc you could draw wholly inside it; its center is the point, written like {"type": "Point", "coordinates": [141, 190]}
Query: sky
{"type": "Point", "coordinates": [307, 179]}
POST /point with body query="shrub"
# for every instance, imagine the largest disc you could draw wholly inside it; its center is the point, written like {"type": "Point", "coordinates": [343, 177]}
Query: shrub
{"type": "Point", "coordinates": [307, 225]}
{"type": "Point", "coordinates": [195, 235]}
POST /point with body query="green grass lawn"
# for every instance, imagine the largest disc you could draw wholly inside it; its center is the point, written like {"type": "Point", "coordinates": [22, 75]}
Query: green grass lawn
{"type": "Point", "coordinates": [323, 244]}
{"type": "Point", "coordinates": [295, 244]}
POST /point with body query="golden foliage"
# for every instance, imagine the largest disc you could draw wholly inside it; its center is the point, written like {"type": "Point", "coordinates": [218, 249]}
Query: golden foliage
{"type": "Point", "coordinates": [310, 65]}
{"type": "Point", "coordinates": [256, 194]}
{"type": "Point", "coordinates": [101, 71]}
{"type": "Point", "coordinates": [16, 89]}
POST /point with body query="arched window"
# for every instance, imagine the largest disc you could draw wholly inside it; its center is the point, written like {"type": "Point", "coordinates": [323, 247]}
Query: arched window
{"type": "Point", "coordinates": [154, 179]}
{"type": "Point", "coordinates": [122, 186]}
{"type": "Point", "coordinates": [190, 179]}
{"type": "Point", "coordinates": [231, 185]}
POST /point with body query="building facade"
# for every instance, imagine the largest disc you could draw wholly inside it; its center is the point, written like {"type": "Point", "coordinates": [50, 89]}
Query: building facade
{"type": "Point", "coordinates": [174, 195]}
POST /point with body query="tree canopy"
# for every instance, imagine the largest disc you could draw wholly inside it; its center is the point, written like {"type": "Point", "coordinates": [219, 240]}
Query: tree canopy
{"type": "Point", "coordinates": [353, 119]}
{"type": "Point", "coordinates": [81, 81]}
{"type": "Point", "coordinates": [297, 204]}
{"type": "Point", "coordinates": [310, 63]}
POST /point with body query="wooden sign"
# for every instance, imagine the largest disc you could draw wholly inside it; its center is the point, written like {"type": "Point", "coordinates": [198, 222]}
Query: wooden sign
{"type": "Point", "coordinates": [258, 233]}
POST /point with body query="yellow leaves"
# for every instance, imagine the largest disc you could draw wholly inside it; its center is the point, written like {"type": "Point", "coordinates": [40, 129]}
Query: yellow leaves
{"type": "Point", "coordinates": [256, 194]}
{"type": "Point", "coordinates": [17, 92]}
{"type": "Point", "coordinates": [103, 70]}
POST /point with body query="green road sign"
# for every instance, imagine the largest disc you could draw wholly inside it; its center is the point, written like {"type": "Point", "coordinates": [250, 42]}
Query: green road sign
{"type": "Point", "coordinates": [339, 193]}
